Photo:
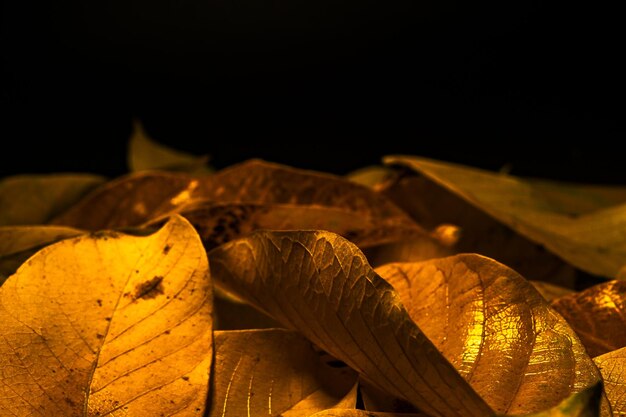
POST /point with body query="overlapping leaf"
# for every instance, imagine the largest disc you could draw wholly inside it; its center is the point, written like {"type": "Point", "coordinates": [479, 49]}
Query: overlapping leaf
{"type": "Point", "coordinates": [612, 365]}
{"type": "Point", "coordinates": [587, 232]}
{"type": "Point", "coordinates": [321, 285]}
{"type": "Point", "coordinates": [598, 315]}
{"type": "Point", "coordinates": [108, 324]}
{"type": "Point", "coordinates": [275, 373]}
{"type": "Point", "coordinates": [494, 327]}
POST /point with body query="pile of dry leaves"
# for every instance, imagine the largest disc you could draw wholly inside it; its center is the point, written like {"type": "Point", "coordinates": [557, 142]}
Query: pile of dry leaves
{"type": "Point", "coordinates": [418, 287]}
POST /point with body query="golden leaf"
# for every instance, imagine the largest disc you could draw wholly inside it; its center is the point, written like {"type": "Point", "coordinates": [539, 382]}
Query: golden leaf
{"type": "Point", "coordinates": [321, 285]}
{"type": "Point", "coordinates": [108, 324]}
{"type": "Point", "coordinates": [590, 240]}
{"type": "Point", "coordinates": [550, 291]}
{"type": "Point", "coordinates": [431, 205]}
{"type": "Point", "coordinates": [18, 243]}
{"type": "Point", "coordinates": [598, 315]}
{"type": "Point", "coordinates": [275, 372]}
{"type": "Point", "coordinates": [146, 154]}
{"type": "Point", "coordinates": [129, 201]}
{"type": "Point", "coordinates": [612, 365]}
{"type": "Point", "coordinates": [516, 352]}
{"type": "Point", "coordinates": [35, 199]}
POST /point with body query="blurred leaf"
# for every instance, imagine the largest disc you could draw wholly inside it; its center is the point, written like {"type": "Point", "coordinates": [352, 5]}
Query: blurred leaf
{"type": "Point", "coordinates": [321, 285]}
{"type": "Point", "coordinates": [550, 291]}
{"type": "Point", "coordinates": [18, 243]}
{"type": "Point", "coordinates": [35, 199]}
{"type": "Point", "coordinates": [612, 365]}
{"type": "Point", "coordinates": [497, 331]}
{"type": "Point", "coordinates": [108, 324]}
{"type": "Point", "coordinates": [593, 241]}
{"type": "Point", "coordinates": [146, 154]}
{"type": "Point", "coordinates": [362, 413]}
{"type": "Point", "coordinates": [373, 176]}
{"type": "Point", "coordinates": [598, 315]}
{"type": "Point", "coordinates": [275, 372]}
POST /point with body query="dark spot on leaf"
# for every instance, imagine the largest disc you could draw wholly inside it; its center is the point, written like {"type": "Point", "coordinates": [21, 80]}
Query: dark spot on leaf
{"type": "Point", "coordinates": [167, 248]}
{"type": "Point", "coordinates": [104, 234]}
{"type": "Point", "coordinates": [107, 318]}
{"type": "Point", "coordinates": [99, 336]}
{"type": "Point", "coordinates": [185, 378]}
{"type": "Point", "coordinates": [167, 332]}
{"type": "Point", "coordinates": [150, 288]}
{"type": "Point", "coordinates": [99, 301]}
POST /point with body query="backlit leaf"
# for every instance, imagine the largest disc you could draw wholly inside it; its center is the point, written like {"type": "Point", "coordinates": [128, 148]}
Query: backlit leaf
{"type": "Point", "coordinates": [593, 241]}
{"type": "Point", "coordinates": [35, 199]}
{"type": "Point", "coordinates": [598, 315]}
{"type": "Point", "coordinates": [275, 372]}
{"type": "Point", "coordinates": [108, 324]}
{"type": "Point", "coordinates": [321, 285]}
{"type": "Point", "coordinates": [494, 327]}
{"type": "Point", "coordinates": [612, 365]}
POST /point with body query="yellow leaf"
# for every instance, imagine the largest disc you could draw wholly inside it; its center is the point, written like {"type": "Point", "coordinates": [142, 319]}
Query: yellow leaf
{"type": "Point", "coordinates": [275, 372]}
{"type": "Point", "coordinates": [590, 240]}
{"type": "Point", "coordinates": [494, 327]}
{"type": "Point", "coordinates": [431, 205]}
{"type": "Point", "coordinates": [550, 291]}
{"type": "Point", "coordinates": [108, 324]}
{"type": "Point", "coordinates": [145, 154]}
{"type": "Point", "coordinates": [612, 365]}
{"type": "Point", "coordinates": [321, 285]}
{"type": "Point", "coordinates": [129, 201]}
{"type": "Point", "coordinates": [18, 243]}
{"type": "Point", "coordinates": [35, 199]}
{"type": "Point", "coordinates": [598, 315]}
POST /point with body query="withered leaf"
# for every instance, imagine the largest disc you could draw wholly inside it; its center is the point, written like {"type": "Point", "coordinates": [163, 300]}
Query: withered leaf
{"type": "Point", "coordinates": [218, 223]}
{"type": "Point", "coordinates": [590, 240]}
{"type": "Point", "coordinates": [146, 154]}
{"type": "Point", "coordinates": [432, 205]}
{"type": "Point", "coordinates": [108, 324]}
{"type": "Point", "coordinates": [493, 326]}
{"type": "Point", "coordinates": [18, 243]}
{"type": "Point", "coordinates": [598, 315]}
{"type": "Point", "coordinates": [35, 199]}
{"type": "Point", "coordinates": [550, 291]}
{"type": "Point", "coordinates": [275, 372]}
{"type": "Point", "coordinates": [612, 365]}
{"type": "Point", "coordinates": [130, 201]}
{"type": "Point", "coordinates": [321, 285]}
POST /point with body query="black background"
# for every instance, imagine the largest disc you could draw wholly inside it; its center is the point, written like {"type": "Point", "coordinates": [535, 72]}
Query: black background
{"type": "Point", "coordinates": [536, 86]}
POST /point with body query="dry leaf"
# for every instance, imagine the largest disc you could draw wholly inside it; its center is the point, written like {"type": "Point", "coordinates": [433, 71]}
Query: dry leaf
{"type": "Point", "coordinates": [18, 243]}
{"type": "Point", "coordinates": [146, 154]}
{"type": "Point", "coordinates": [592, 241]}
{"type": "Point", "coordinates": [275, 372]}
{"type": "Point", "coordinates": [612, 365]}
{"type": "Point", "coordinates": [35, 199]}
{"type": "Point", "coordinates": [321, 285]}
{"type": "Point", "coordinates": [550, 291]}
{"type": "Point", "coordinates": [362, 413]}
{"type": "Point", "coordinates": [431, 205]}
{"type": "Point", "coordinates": [516, 352]}
{"type": "Point", "coordinates": [218, 223]}
{"type": "Point", "coordinates": [130, 201]}
{"type": "Point", "coordinates": [598, 315]}
{"type": "Point", "coordinates": [108, 324]}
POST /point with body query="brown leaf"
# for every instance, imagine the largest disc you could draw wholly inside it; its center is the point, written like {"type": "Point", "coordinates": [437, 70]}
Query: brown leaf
{"type": "Point", "coordinates": [362, 413]}
{"type": "Point", "coordinates": [612, 365]}
{"type": "Point", "coordinates": [130, 201]}
{"type": "Point", "coordinates": [35, 199]}
{"type": "Point", "coordinates": [146, 154]}
{"type": "Point", "coordinates": [431, 205]}
{"type": "Point", "coordinates": [494, 327]}
{"type": "Point", "coordinates": [598, 315]}
{"type": "Point", "coordinates": [229, 314]}
{"type": "Point", "coordinates": [275, 372]}
{"type": "Point", "coordinates": [590, 240]}
{"type": "Point", "coordinates": [321, 285]}
{"type": "Point", "coordinates": [108, 324]}
{"type": "Point", "coordinates": [18, 243]}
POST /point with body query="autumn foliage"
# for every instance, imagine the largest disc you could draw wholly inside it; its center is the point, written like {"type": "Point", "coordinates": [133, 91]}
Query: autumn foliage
{"type": "Point", "coordinates": [416, 288]}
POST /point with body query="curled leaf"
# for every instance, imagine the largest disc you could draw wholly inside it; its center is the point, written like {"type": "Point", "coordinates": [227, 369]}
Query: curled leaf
{"type": "Point", "coordinates": [612, 365]}
{"type": "Point", "coordinates": [494, 327]}
{"type": "Point", "coordinates": [275, 372]}
{"type": "Point", "coordinates": [321, 285]}
{"type": "Point", "coordinates": [587, 235]}
{"type": "Point", "coordinates": [598, 315]}
{"type": "Point", "coordinates": [35, 199]}
{"type": "Point", "coordinates": [108, 324]}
